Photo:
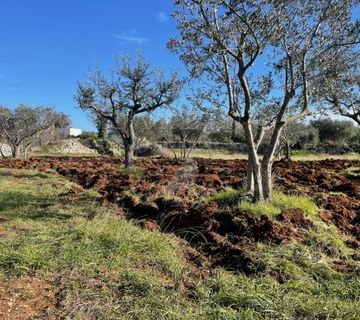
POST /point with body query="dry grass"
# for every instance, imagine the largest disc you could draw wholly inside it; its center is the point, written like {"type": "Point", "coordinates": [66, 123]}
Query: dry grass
{"type": "Point", "coordinates": [228, 155]}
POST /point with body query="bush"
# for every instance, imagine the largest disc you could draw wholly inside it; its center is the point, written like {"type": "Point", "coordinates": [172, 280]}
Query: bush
{"type": "Point", "coordinates": [148, 151]}
{"type": "Point", "coordinates": [103, 146]}
{"type": "Point", "coordinates": [88, 135]}
{"type": "Point", "coordinates": [335, 130]}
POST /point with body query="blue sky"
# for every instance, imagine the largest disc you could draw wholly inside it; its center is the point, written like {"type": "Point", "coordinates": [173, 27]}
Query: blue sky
{"type": "Point", "coordinates": [47, 46]}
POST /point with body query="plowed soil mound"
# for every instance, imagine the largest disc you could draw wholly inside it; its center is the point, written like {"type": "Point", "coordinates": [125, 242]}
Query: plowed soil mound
{"type": "Point", "coordinates": [163, 194]}
{"type": "Point", "coordinates": [337, 194]}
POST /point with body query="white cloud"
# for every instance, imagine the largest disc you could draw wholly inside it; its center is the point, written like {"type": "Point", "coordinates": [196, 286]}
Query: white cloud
{"type": "Point", "coordinates": [162, 17]}
{"type": "Point", "coordinates": [131, 37]}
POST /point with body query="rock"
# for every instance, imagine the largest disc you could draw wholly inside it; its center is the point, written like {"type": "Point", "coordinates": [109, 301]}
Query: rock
{"type": "Point", "coordinates": [5, 149]}
{"type": "Point", "coordinates": [72, 146]}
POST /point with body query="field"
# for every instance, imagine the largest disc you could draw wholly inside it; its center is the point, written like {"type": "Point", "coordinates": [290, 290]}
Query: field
{"type": "Point", "coordinates": [297, 155]}
{"type": "Point", "coordinates": [82, 238]}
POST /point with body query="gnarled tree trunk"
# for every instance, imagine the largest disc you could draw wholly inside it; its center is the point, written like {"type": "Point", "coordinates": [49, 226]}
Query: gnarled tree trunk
{"type": "Point", "coordinates": [15, 150]}
{"type": "Point", "coordinates": [26, 149]}
{"type": "Point", "coordinates": [267, 162]}
{"type": "Point", "coordinates": [129, 153]}
{"type": "Point", "coordinates": [249, 178]}
{"type": "Point", "coordinates": [254, 163]}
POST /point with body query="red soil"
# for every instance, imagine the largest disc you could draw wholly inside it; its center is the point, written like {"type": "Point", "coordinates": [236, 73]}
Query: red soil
{"type": "Point", "coordinates": [24, 298]}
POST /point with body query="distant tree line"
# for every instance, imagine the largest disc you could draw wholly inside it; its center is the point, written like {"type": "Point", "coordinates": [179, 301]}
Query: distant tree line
{"type": "Point", "coordinates": [187, 129]}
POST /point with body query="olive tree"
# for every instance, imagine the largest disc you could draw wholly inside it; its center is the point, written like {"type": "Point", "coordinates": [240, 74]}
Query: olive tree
{"type": "Point", "coordinates": [266, 56]}
{"type": "Point", "coordinates": [23, 126]}
{"type": "Point", "coordinates": [133, 89]}
{"type": "Point", "coordinates": [187, 125]}
{"type": "Point", "coordinates": [296, 135]}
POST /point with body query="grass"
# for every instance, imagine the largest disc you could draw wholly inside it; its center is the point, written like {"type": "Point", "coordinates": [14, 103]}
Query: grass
{"type": "Point", "coordinates": [241, 297]}
{"type": "Point", "coordinates": [352, 172]}
{"type": "Point", "coordinates": [312, 290]}
{"type": "Point", "coordinates": [205, 153]}
{"type": "Point", "coordinates": [104, 267]}
{"type": "Point", "coordinates": [55, 234]}
{"type": "Point", "coordinates": [324, 156]}
{"type": "Point", "coordinates": [230, 197]}
{"type": "Point", "coordinates": [280, 202]}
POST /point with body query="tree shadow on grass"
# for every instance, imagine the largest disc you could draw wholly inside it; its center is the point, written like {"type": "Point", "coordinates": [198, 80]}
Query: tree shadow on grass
{"type": "Point", "coordinates": [15, 204]}
{"type": "Point", "coordinates": [38, 175]}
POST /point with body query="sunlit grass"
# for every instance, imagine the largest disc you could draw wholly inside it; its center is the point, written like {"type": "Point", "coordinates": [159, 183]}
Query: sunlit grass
{"type": "Point", "coordinates": [352, 172]}
{"type": "Point", "coordinates": [229, 197]}
{"type": "Point", "coordinates": [133, 171]}
{"type": "Point", "coordinates": [279, 203]}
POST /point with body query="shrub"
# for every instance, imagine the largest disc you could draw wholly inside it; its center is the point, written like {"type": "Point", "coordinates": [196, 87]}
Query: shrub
{"type": "Point", "coordinates": [148, 151]}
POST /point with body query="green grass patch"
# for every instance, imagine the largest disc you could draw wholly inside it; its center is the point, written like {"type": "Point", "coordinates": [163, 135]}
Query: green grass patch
{"type": "Point", "coordinates": [280, 202]}
{"type": "Point", "coordinates": [300, 153]}
{"type": "Point", "coordinates": [105, 242]}
{"type": "Point", "coordinates": [326, 239]}
{"type": "Point", "coordinates": [240, 297]}
{"type": "Point", "coordinates": [228, 197]}
{"type": "Point", "coordinates": [352, 173]}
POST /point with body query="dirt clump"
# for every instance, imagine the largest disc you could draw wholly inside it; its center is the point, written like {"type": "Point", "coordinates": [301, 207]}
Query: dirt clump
{"type": "Point", "coordinates": [279, 276]}
{"type": "Point", "coordinates": [268, 231]}
{"type": "Point", "coordinates": [25, 298]}
{"type": "Point", "coordinates": [150, 225]}
{"type": "Point", "coordinates": [208, 180]}
{"type": "Point", "coordinates": [295, 217]}
{"type": "Point", "coordinates": [343, 211]}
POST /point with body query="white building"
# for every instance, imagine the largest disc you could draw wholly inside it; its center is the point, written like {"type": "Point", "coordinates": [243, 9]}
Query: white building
{"type": "Point", "coordinates": [69, 132]}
